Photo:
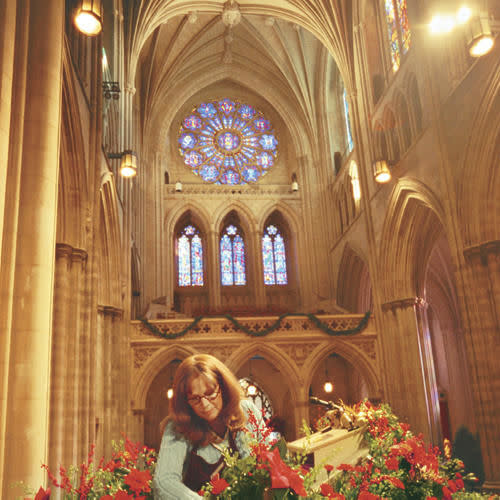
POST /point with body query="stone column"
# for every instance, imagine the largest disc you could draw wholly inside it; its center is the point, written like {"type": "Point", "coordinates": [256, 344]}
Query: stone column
{"type": "Point", "coordinates": [213, 274]}
{"type": "Point", "coordinates": [27, 416]}
{"type": "Point", "coordinates": [411, 384]}
{"type": "Point", "coordinates": [482, 302]}
{"type": "Point", "coordinates": [258, 271]}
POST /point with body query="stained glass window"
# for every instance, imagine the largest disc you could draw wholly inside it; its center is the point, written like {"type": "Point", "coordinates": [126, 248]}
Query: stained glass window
{"type": "Point", "coordinates": [232, 257]}
{"type": "Point", "coordinates": [274, 257]}
{"type": "Point", "coordinates": [189, 257]}
{"type": "Point", "coordinates": [350, 142]}
{"type": "Point", "coordinates": [227, 142]}
{"type": "Point", "coordinates": [398, 28]}
{"type": "Point", "coordinates": [258, 397]}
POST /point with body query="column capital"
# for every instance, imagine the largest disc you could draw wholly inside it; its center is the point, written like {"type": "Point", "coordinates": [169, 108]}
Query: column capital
{"type": "Point", "coordinates": [63, 250]}
{"type": "Point", "coordinates": [110, 311]}
{"type": "Point", "coordinates": [482, 250]}
{"type": "Point", "coordinates": [404, 303]}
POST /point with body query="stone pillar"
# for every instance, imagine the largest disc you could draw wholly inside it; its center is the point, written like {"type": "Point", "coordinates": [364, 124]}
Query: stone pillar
{"type": "Point", "coordinates": [482, 302]}
{"type": "Point", "coordinates": [411, 384]}
{"type": "Point", "coordinates": [213, 274]}
{"type": "Point", "coordinates": [258, 271]}
{"type": "Point", "coordinates": [27, 415]}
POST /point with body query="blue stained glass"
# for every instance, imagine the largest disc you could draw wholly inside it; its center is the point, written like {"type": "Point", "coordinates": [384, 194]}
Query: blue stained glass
{"type": "Point", "coordinates": [274, 257]}
{"type": "Point", "coordinates": [232, 230]}
{"type": "Point", "coordinates": [228, 141]}
{"type": "Point", "coordinates": [280, 260]}
{"type": "Point", "coordinates": [226, 106]}
{"type": "Point", "coordinates": [183, 261]}
{"type": "Point", "coordinates": [197, 260]}
{"type": "Point", "coordinates": [250, 174]}
{"type": "Point", "coordinates": [209, 173]}
{"type": "Point", "coordinates": [268, 141]}
{"type": "Point", "coordinates": [189, 230]}
{"type": "Point", "coordinates": [193, 158]}
{"type": "Point", "coordinates": [239, 260]}
{"type": "Point", "coordinates": [192, 122]}
{"type": "Point", "coordinates": [392, 29]}
{"type": "Point", "coordinates": [226, 260]}
{"type": "Point", "coordinates": [246, 112]}
{"type": "Point", "coordinates": [261, 124]}
{"type": "Point", "coordinates": [187, 141]}
{"type": "Point", "coordinates": [231, 137]}
{"type": "Point", "coordinates": [268, 260]}
{"type": "Point", "coordinates": [207, 110]}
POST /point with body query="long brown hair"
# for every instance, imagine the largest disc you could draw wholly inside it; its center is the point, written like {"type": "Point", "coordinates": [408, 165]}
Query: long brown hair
{"type": "Point", "coordinates": [186, 422]}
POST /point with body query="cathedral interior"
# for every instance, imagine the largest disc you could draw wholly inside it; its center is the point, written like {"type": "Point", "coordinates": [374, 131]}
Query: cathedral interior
{"type": "Point", "coordinates": [307, 190]}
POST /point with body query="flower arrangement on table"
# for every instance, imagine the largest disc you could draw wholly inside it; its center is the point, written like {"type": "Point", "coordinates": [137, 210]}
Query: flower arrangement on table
{"type": "Point", "coordinates": [399, 465]}
{"type": "Point", "coordinates": [127, 476]}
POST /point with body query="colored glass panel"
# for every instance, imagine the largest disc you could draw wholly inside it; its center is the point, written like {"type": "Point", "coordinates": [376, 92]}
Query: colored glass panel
{"type": "Point", "coordinates": [268, 260]}
{"type": "Point", "coordinates": [183, 261]}
{"type": "Point", "coordinates": [239, 260]}
{"type": "Point", "coordinates": [280, 260]}
{"type": "Point", "coordinates": [350, 142]}
{"type": "Point", "coordinates": [227, 142]}
{"type": "Point", "coordinates": [226, 260]}
{"type": "Point", "coordinates": [404, 25]}
{"type": "Point", "coordinates": [197, 261]}
{"type": "Point", "coordinates": [392, 29]}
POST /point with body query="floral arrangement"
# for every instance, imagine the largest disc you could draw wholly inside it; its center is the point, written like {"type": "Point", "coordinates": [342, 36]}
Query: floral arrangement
{"type": "Point", "coordinates": [127, 476]}
{"type": "Point", "coordinates": [399, 465]}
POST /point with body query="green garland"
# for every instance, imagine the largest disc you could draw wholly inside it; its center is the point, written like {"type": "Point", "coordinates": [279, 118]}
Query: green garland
{"type": "Point", "coordinates": [259, 333]}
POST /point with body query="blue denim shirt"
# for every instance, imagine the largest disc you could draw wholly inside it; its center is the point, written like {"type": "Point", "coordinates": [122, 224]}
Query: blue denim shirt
{"type": "Point", "coordinates": [174, 449]}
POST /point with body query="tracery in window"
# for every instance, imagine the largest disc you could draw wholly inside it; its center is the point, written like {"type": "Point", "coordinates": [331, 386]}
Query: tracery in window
{"type": "Point", "coordinates": [189, 257]}
{"type": "Point", "coordinates": [259, 398]}
{"type": "Point", "coordinates": [274, 257]}
{"type": "Point", "coordinates": [232, 257]}
{"type": "Point", "coordinates": [227, 142]}
{"type": "Point", "coordinates": [398, 27]}
{"type": "Point", "coordinates": [350, 142]}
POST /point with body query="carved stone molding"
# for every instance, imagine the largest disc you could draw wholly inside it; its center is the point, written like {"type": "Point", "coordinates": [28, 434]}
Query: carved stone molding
{"type": "Point", "coordinates": [110, 311]}
{"type": "Point", "coordinates": [298, 352]}
{"type": "Point", "coordinates": [368, 347]}
{"type": "Point", "coordinates": [63, 250]}
{"type": "Point", "coordinates": [481, 251]}
{"type": "Point", "coordinates": [404, 303]}
{"type": "Point", "coordinates": [142, 354]}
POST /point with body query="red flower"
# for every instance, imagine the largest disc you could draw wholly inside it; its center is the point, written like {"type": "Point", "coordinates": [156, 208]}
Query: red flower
{"type": "Point", "coordinates": [138, 481]}
{"type": "Point", "coordinates": [218, 484]}
{"type": "Point", "coordinates": [282, 476]}
{"type": "Point", "coordinates": [328, 492]}
{"type": "Point", "coordinates": [106, 497]}
{"type": "Point", "coordinates": [366, 495]}
{"type": "Point", "coordinates": [430, 498]}
{"type": "Point", "coordinates": [42, 494]}
{"type": "Point", "coordinates": [328, 468]}
{"type": "Point", "coordinates": [396, 482]}
{"type": "Point", "coordinates": [446, 493]}
{"type": "Point", "coordinates": [123, 495]}
{"type": "Point", "coordinates": [392, 463]}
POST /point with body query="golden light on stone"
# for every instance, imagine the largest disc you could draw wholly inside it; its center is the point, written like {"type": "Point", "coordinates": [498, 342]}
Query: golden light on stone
{"type": "Point", "coordinates": [88, 18]}
{"type": "Point", "coordinates": [328, 387]}
{"type": "Point", "coordinates": [480, 38]}
{"type": "Point", "coordinates": [170, 393]}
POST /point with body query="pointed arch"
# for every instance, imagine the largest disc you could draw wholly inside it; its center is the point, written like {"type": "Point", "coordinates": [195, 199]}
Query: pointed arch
{"type": "Point", "coordinates": [353, 282]}
{"type": "Point", "coordinates": [73, 183]}
{"type": "Point", "coordinates": [412, 225]}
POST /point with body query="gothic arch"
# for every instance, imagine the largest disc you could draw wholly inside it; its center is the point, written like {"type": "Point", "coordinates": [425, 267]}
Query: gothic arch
{"type": "Point", "coordinates": [246, 217]}
{"type": "Point", "coordinates": [413, 222]}
{"type": "Point", "coordinates": [358, 359]}
{"type": "Point", "coordinates": [351, 276]}
{"type": "Point", "coordinates": [73, 188]}
{"type": "Point", "coordinates": [478, 203]}
{"type": "Point", "coordinates": [274, 355]}
{"type": "Point", "coordinates": [198, 212]}
{"type": "Point", "coordinates": [110, 255]}
{"type": "Point", "coordinates": [152, 367]}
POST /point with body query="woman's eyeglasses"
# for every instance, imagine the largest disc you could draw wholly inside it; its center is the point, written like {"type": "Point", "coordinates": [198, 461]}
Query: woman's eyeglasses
{"type": "Point", "coordinates": [196, 400]}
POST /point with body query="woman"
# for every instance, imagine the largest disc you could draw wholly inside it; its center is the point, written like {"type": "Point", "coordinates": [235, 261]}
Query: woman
{"type": "Point", "coordinates": [207, 413]}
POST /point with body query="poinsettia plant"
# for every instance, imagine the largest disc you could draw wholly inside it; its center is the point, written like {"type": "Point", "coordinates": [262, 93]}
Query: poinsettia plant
{"type": "Point", "coordinates": [399, 465]}
{"type": "Point", "coordinates": [127, 476]}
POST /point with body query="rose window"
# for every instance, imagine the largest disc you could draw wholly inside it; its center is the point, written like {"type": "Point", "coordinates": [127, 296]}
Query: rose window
{"type": "Point", "coordinates": [227, 142]}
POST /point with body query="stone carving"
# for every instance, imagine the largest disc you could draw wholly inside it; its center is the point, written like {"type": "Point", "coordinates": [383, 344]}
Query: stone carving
{"type": "Point", "coordinates": [142, 354]}
{"type": "Point", "coordinates": [298, 352]}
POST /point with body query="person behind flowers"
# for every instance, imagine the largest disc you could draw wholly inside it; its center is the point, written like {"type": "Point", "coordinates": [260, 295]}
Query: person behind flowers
{"type": "Point", "coordinates": [207, 413]}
